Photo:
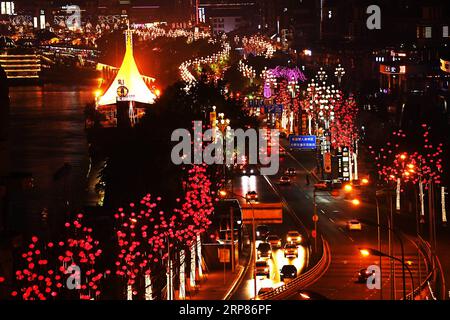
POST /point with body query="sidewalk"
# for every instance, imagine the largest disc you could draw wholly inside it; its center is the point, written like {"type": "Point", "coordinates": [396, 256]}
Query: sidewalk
{"type": "Point", "coordinates": [219, 285]}
{"type": "Point", "coordinates": [216, 285]}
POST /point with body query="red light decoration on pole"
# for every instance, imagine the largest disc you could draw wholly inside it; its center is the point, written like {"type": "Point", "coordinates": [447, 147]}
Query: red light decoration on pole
{"type": "Point", "coordinates": [64, 269]}
{"type": "Point", "coordinates": [146, 233]}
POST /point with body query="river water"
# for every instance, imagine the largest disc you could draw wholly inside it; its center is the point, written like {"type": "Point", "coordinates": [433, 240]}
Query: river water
{"type": "Point", "coordinates": [47, 131]}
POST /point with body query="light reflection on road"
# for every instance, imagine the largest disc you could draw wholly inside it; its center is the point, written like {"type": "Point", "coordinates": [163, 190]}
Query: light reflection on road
{"type": "Point", "coordinates": [248, 183]}
{"type": "Point", "coordinates": [277, 261]}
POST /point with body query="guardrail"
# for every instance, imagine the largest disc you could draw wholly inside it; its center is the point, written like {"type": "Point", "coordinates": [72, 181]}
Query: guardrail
{"type": "Point", "coordinates": [302, 280]}
{"type": "Point", "coordinates": [425, 250]}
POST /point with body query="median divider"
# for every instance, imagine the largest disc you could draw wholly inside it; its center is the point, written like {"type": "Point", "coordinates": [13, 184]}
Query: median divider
{"type": "Point", "coordinates": [304, 279]}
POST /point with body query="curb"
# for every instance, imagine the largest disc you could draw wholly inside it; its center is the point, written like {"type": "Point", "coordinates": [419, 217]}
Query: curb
{"type": "Point", "coordinates": [239, 278]}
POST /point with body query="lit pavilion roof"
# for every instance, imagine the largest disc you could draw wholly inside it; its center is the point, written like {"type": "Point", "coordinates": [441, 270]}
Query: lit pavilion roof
{"type": "Point", "coordinates": [129, 77]}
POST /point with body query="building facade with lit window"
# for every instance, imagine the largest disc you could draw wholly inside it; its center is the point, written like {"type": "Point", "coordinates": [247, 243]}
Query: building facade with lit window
{"type": "Point", "coordinates": [227, 16]}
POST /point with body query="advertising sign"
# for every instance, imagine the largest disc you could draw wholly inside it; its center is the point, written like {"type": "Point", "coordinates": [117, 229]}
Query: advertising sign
{"type": "Point", "coordinates": [346, 164]}
{"type": "Point", "coordinates": [386, 69]}
{"type": "Point", "coordinates": [327, 162]}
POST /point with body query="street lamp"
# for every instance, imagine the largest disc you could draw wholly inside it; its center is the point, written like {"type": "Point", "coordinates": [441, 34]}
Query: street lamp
{"type": "Point", "coordinates": [223, 194]}
{"type": "Point", "coordinates": [402, 248]}
{"type": "Point", "coordinates": [348, 188]}
{"type": "Point", "coordinates": [369, 251]}
{"type": "Point", "coordinates": [339, 73]}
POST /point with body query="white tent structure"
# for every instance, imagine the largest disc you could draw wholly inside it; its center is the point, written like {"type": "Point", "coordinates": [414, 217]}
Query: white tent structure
{"type": "Point", "coordinates": [128, 80]}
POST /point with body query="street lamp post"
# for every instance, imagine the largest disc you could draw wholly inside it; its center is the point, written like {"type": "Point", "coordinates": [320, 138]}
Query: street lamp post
{"type": "Point", "coordinates": [369, 251]}
{"type": "Point", "coordinates": [347, 188]}
{"type": "Point", "coordinates": [379, 245]}
{"type": "Point", "coordinates": [339, 73]}
{"type": "Point", "coordinates": [402, 249]}
{"type": "Point", "coordinates": [223, 193]}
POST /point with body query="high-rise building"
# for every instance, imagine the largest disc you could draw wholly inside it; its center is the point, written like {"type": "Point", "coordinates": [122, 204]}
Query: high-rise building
{"type": "Point", "coordinates": [227, 16]}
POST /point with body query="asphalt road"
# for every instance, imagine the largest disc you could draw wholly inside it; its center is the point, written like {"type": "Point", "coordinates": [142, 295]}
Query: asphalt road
{"type": "Point", "coordinates": [340, 280]}
{"type": "Point", "coordinates": [266, 195]}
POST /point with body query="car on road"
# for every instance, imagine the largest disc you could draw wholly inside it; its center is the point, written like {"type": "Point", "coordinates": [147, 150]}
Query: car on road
{"type": "Point", "coordinates": [288, 271]}
{"type": "Point", "coordinates": [264, 290]}
{"type": "Point", "coordinates": [274, 241]}
{"type": "Point", "coordinates": [336, 184]}
{"type": "Point", "coordinates": [323, 185]}
{"type": "Point", "coordinates": [249, 170]}
{"type": "Point", "coordinates": [285, 180]}
{"type": "Point", "coordinates": [264, 250]}
{"type": "Point", "coordinates": [363, 275]}
{"type": "Point", "coordinates": [294, 237]}
{"type": "Point", "coordinates": [262, 231]}
{"type": "Point", "coordinates": [291, 172]}
{"type": "Point", "coordinates": [263, 268]}
{"type": "Point", "coordinates": [290, 250]}
{"type": "Point", "coordinates": [354, 225]}
{"type": "Point", "coordinates": [251, 196]}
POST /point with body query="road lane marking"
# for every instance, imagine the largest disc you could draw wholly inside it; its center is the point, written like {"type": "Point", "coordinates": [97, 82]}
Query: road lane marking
{"type": "Point", "coordinates": [301, 165]}
{"type": "Point", "coordinates": [342, 230]}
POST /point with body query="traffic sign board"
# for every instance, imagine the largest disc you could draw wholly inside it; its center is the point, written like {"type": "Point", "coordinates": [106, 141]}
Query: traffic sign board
{"type": "Point", "coordinates": [302, 142]}
{"type": "Point", "coordinates": [224, 255]}
{"type": "Point", "coordinates": [276, 108]}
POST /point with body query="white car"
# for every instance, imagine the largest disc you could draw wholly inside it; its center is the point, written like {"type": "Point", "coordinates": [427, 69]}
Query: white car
{"type": "Point", "coordinates": [354, 225]}
{"type": "Point", "coordinates": [294, 237]}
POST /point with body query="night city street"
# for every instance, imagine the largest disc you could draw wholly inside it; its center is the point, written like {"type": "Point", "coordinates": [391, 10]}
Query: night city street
{"type": "Point", "coordinates": [253, 152]}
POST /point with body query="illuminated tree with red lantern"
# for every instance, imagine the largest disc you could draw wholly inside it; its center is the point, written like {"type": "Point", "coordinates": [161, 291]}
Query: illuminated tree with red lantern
{"type": "Point", "coordinates": [387, 157]}
{"type": "Point", "coordinates": [147, 234]}
{"type": "Point", "coordinates": [289, 98]}
{"type": "Point", "coordinates": [422, 166]}
{"type": "Point", "coordinates": [61, 269]}
{"type": "Point", "coordinates": [344, 132]}
{"type": "Point", "coordinates": [285, 96]}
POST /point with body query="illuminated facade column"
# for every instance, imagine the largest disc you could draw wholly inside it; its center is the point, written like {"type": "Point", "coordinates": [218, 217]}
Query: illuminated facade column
{"type": "Point", "coordinates": [129, 292]}
{"type": "Point", "coordinates": [169, 285]}
{"type": "Point", "coordinates": [444, 211]}
{"type": "Point", "coordinates": [350, 166]}
{"type": "Point", "coordinates": [148, 287]}
{"type": "Point", "coordinates": [422, 204]}
{"type": "Point", "coordinates": [355, 165]}
{"type": "Point", "coordinates": [182, 290]}
{"type": "Point", "coordinates": [309, 124]}
{"type": "Point", "coordinates": [398, 189]}
{"type": "Point", "coordinates": [192, 275]}
{"type": "Point", "coordinates": [199, 256]}
{"type": "Point", "coordinates": [355, 158]}
{"type": "Point", "coordinates": [291, 122]}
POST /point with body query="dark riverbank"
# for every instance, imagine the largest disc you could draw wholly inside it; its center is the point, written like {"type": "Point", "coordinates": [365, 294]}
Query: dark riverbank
{"type": "Point", "coordinates": [46, 132]}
